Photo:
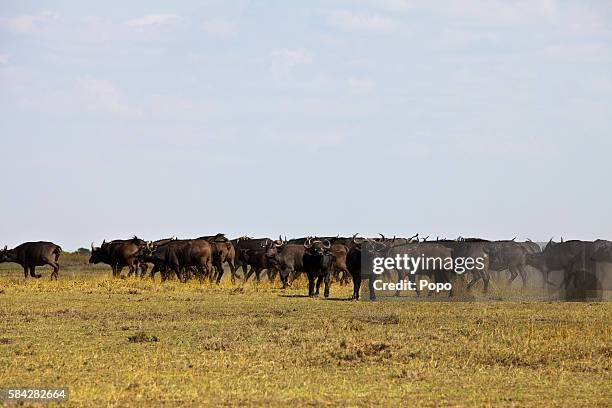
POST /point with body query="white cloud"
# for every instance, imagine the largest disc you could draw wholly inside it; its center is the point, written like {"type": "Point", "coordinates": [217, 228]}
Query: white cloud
{"type": "Point", "coordinates": [285, 59]}
{"type": "Point", "coordinates": [347, 20]}
{"type": "Point", "coordinates": [102, 96]}
{"type": "Point", "coordinates": [3, 59]}
{"type": "Point", "coordinates": [153, 20]}
{"type": "Point", "coordinates": [220, 28]}
{"type": "Point", "coordinates": [361, 85]}
{"type": "Point", "coordinates": [28, 24]}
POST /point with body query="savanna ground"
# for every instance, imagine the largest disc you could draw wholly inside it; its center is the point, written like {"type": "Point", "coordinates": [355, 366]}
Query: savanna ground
{"type": "Point", "coordinates": [134, 342]}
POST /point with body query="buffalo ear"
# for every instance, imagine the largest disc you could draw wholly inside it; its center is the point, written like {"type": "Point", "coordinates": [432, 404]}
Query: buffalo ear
{"type": "Point", "coordinates": [5, 248]}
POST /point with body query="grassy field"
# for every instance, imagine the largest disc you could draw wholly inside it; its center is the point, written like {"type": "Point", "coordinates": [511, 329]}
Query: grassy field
{"type": "Point", "coordinates": [134, 342]}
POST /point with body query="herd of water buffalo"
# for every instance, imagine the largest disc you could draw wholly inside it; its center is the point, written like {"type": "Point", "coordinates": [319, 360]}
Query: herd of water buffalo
{"type": "Point", "coordinates": [322, 258]}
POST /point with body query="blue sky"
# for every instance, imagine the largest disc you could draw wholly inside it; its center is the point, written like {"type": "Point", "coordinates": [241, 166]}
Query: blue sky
{"type": "Point", "coordinates": [473, 118]}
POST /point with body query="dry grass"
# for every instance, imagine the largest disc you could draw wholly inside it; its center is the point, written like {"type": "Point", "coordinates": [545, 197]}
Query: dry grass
{"type": "Point", "coordinates": [140, 343]}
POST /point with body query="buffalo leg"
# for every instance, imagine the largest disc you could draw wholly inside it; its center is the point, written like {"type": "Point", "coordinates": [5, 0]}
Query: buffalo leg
{"type": "Point", "coordinates": [412, 279]}
{"type": "Point", "coordinates": [143, 269]}
{"type": "Point", "coordinates": [513, 275]}
{"type": "Point", "coordinates": [56, 268]}
{"type": "Point", "coordinates": [201, 273]}
{"type": "Point", "coordinates": [523, 274]}
{"type": "Point", "coordinates": [486, 279]}
{"type": "Point", "coordinates": [154, 270]}
{"type": "Point", "coordinates": [232, 270]}
{"type": "Point", "coordinates": [33, 272]}
{"type": "Point", "coordinates": [258, 274]}
{"type": "Point", "coordinates": [345, 277]}
{"type": "Point", "coordinates": [272, 272]}
{"type": "Point", "coordinates": [400, 277]}
{"type": "Point", "coordinates": [311, 284]}
{"type": "Point", "coordinates": [177, 271]}
{"type": "Point", "coordinates": [327, 284]}
{"type": "Point", "coordinates": [25, 271]}
{"type": "Point", "coordinates": [284, 276]}
{"type": "Point", "coordinates": [477, 275]}
{"type": "Point", "coordinates": [220, 271]}
{"type": "Point", "coordinates": [318, 283]}
{"type": "Point", "coordinates": [256, 271]}
{"type": "Point", "coordinates": [356, 285]}
{"type": "Point", "coordinates": [248, 274]}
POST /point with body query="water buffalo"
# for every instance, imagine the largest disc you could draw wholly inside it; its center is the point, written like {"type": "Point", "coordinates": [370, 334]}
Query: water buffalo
{"type": "Point", "coordinates": [339, 248]}
{"type": "Point", "coordinates": [312, 257]}
{"type": "Point", "coordinates": [361, 249]}
{"type": "Point", "coordinates": [259, 262]}
{"type": "Point", "coordinates": [318, 260]}
{"type": "Point", "coordinates": [353, 264]}
{"type": "Point", "coordinates": [223, 251]}
{"type": "Point", "coordinates": [145, 255]}
{"type": "Point", "coordinates": [32, 254]}
{"type": "Point", "coordinates": [511, 256]}
{"type": "Point", "coordinates": [573, 257]}
{"type": "Point", "coordinates": [473, 248]}
{"type": "Point", "coordinates": [245, 243]}
{"type": "Point", "coordinates": [118, 254]}
{"type": "Point", "coordinates": [183, 254]}
{"type": "Point", "coordinates": [435, 253]}
{"type": "Point", "coordinates": [287, 258]}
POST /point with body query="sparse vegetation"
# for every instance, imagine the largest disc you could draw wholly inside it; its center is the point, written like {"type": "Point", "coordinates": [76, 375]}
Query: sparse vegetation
{"type": "Point", "coordinates": [133, 342]}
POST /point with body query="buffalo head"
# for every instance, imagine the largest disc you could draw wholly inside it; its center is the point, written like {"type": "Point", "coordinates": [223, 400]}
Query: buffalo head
{"type": "Point", "coordinates": [317, 247]}
{"type": "Point", "coordinates": [273, 248]}
{"type": "Point", "coordinates": [98, 254]}
{"type": "Point", "coordinates": [536, 260]}
{"type": "Point", "coordinates": [6, 254]}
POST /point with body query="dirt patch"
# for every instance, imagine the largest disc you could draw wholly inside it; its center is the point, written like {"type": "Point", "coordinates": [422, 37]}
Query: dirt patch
{"type": "Point", "coordinates": [142, 337]}
{"type": "Point", "coordinates": [356, 353]}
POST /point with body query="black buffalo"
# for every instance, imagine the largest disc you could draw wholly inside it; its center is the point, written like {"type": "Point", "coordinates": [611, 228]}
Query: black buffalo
{"type": "Point", "coordinates": [118, 254]}
{"type": "Point", "coordinates": [144, 256]}
{"type": "Point", "coordinates": [259, 262]}
{"type": "Point", "coordinates": [312, 257]}
{"type": "Point", "coordinates": [577, 260]}
{"type": "Point", "coordinates": [32, 254]}
{"type": "Point", "coordinates": [181, 255]}
{"type": "Point", "coordinates": [243, 247]}
{"type": "Point", "coordinates": [223, 251]}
